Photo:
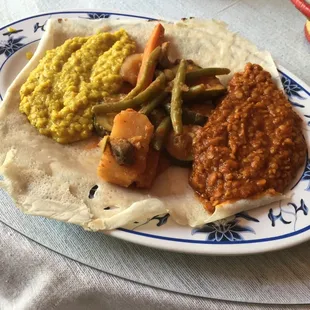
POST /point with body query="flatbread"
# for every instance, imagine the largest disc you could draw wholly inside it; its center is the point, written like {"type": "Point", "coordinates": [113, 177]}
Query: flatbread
{"type": "Point", "coordinates": [52, 180]}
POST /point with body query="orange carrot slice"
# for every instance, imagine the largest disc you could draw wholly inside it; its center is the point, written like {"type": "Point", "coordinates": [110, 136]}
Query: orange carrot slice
{"type": "Point", "coordinates": [153, 42]}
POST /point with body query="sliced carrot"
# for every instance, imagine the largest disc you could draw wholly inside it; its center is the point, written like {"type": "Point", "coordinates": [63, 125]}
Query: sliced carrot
{"type": "Point", "coordinates": [153, 42]}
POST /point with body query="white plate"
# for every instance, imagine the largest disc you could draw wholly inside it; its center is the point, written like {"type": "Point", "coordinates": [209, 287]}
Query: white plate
{"type": "Point", "coordinates": [272, 227]}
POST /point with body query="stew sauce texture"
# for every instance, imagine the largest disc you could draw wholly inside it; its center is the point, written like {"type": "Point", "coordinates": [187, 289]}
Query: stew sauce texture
{"type": "Point", "coordinates": [251, 144]}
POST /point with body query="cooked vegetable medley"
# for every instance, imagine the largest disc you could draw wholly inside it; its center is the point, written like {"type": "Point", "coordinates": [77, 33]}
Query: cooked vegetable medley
{"type": "Point", "coordinates": [145, 106]}
{"type": "Point", "coordinates": [176, 97]}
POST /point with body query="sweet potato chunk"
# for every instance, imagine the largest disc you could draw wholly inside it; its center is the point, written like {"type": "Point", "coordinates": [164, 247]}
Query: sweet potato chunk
{"type": "Point", "coordinates": [138, 130]}
{"type": "Point", "coordinates": [145, 180]}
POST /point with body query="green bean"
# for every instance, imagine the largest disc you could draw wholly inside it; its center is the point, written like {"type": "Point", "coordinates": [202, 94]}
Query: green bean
{"type": "Point", "coordinates": [191, 66]}
{"type": "Point", "coordinates": [148, 108]}
{"type": "Point", "coordinates": [154, 56]}
{"type": "Point", "coordinates": [200, 92]}
{"type": "Point", "coordinates": [172, 71]}
{"type": "Point", "coordinates": [194, 75]}
{"type": "Point", "coordinates": [148, 94]}
{"type": "Point", "coordinates": [189, 117]}
{"type": "Point", "coordinates": [176, 98]}
{"type": "Point", "coordinates": [161, 133]}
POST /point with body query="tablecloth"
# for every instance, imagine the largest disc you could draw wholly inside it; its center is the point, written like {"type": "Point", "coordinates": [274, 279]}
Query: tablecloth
{"type": "Point", "coordinates": [34, 277]}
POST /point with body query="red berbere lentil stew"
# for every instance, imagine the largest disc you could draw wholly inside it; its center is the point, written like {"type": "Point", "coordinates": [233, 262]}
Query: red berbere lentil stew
{"type": "Point", "coordinates": [251, 144]}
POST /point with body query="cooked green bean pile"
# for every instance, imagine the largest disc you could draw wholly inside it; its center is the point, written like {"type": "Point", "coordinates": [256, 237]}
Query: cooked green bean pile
{"type": "Point", "coordinates": [177, 96]}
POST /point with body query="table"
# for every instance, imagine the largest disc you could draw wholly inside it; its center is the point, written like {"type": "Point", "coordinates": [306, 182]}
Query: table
{"type": "Point", "coordinates": [34, 277]}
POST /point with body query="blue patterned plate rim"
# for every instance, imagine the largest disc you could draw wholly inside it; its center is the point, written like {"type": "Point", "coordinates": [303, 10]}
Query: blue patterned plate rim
{"type": "Point", "coordinates": [223, 238]}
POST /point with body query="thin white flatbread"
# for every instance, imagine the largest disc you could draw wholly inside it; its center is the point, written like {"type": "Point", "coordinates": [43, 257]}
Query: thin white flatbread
{"type": "Point", "coordinates": [52, 180]}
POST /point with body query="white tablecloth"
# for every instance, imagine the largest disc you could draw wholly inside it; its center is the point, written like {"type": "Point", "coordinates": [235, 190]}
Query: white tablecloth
{"type": "Point", "coordinates": [34, 277]}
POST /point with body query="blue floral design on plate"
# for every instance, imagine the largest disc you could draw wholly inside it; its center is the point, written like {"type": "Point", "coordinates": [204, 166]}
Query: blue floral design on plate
{"type": "Point", "coordinates": [10, 46]}
{"type": "Point", "coordinates": [223, 231]}
{"type": "Point", "coordinates": [226, 229]}
{"type": "Point", "coordinates": [273, 218]}
{"type": "Point", "coordinates": [37, 26]}
{"type": "Point", "coordinates": [291, 88]}
{"type": "Point", "coordinates": [302, 207]}
{"type": "Point", "coordinates": [98, 15]}
{"type": "Point", "coordinates": [220, 231]}
{"type": "Point", "coordinates": [306, 175]}
{"type": "Point", "coordinates": [162, 219]}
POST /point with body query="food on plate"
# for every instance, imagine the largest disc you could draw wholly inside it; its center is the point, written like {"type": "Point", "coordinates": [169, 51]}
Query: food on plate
{"type": "Point", "coordinates": [103, 123]}
{"type": "Point", "coordinates": [173, 137]}
{"type": "Point", "coordinates": [161, 133]}
{"type": "Point", "coordinates": [60, 92]}
{"type": "Point", "coordinates": [153, 43]}
{"type": "Point", "coordinates": [125, 157]}
{"type": "Point", "coordinates": [130, 68]}
{"type": "Point", "coordinates": [179, 146]}
{"type": "Point", "coordinates": [252, 143]}
{"type": "Point", "coordinates": [176, 98]}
